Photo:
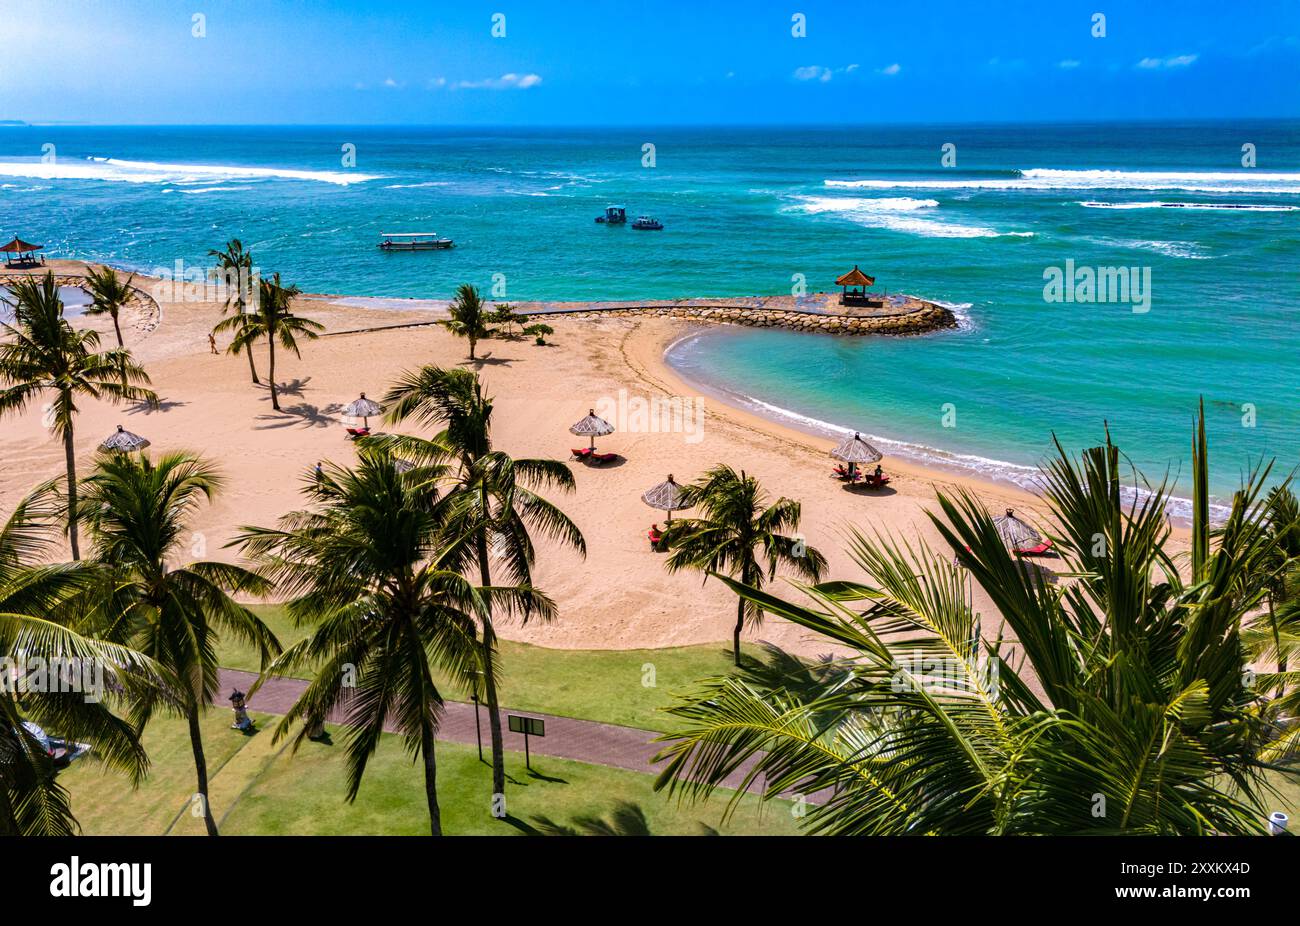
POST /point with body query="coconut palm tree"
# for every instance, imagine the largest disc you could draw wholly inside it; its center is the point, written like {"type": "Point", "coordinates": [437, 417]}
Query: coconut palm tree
{"type": "Point", "coordinates": [43, 356]}
{"type": "Point", "coordinates": [469, 317]}
{"type": "Point", "coordinates": [137, 513]}
{"type": "Point", "coordinates": [235, 269]}
{"type": "Point", "coordinates": [32, 803]}
{"type": "Point", "coordinates": [735, 524]}
{"type": "Point", "coordinates": [365, 565]}
{"type": "Point", "coordinates": [1115, 703]}
{"type": "Point", "coordinates": [109, 295]}
{"type": "Point", "coordinates": [492, 504]}
{"type": "Point", "coordinates": [273, 319]}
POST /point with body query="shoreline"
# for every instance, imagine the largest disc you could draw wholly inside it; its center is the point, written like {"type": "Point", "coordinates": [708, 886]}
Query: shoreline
{"type": "Point", "coordinates": [620, 596]}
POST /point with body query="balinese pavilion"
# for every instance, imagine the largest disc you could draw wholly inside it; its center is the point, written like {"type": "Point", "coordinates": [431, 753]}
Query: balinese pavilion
{"type": "Point", "coordinates": [855, 284]}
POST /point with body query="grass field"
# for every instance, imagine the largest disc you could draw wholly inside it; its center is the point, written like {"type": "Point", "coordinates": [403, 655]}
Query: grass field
{"type": "Point", "coordinates": [260, 788]}
{"type": "Point", "coordinates": [628, 687]}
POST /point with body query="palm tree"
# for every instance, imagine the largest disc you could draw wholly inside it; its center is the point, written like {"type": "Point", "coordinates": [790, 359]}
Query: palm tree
{"type": "Point", "coordinates": [32, 803]}
{"type": "Point", "coordinates": [274, 320]}
{"type": "Point", "coordinates": [137, 513]}
{"type": "Point", "coordinates": [1118, 703]}
{"type": "Point", "coordinates": [469, 317]}
{"type": "Point", "coordinates": [492, 505]}
{"type": "Point", "coordinates": [736, 523]}
{"type": "Point", "coordinates": [109, 295]}
{"type": "Point", "coordinates": [235, 269]}
{"type": "Point", "coordinates": [366, 567]}
{"type": "Point", "coordinates": [43, 354]}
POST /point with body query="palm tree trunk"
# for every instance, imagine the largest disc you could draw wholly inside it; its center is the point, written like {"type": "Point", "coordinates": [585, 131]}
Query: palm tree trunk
{"type": "Point", "coordinates": [472, 341]}
{"type": "Point", "coordinates": [740, 625]}
{"type": "Point", "coordinates": [489, 679]}
{"type": "Point", "coordinates": [275, 400]}
{"type": "Point", "coordinates": [117, 329]}
{"type": "Point", "coordinates": [251, 368]}
{"type": "Point", "coordinates": [430, 776]}
{"type": "Point", "coordinates": [201, 769]}
{"type": "Point", "coordinates": [70, 458]}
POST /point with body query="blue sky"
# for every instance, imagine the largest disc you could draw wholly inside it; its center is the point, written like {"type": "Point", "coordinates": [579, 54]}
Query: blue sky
{"type": "Point", "coordinates": [662, 62]}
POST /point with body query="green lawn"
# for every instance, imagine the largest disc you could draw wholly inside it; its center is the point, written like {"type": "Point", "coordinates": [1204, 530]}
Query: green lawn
{"type": "Point", "coordinates": [628, 687]}
{"type": "Point", "coordinates": [104, 802]}
{"type": "Point", "coordinates": [258, 788]}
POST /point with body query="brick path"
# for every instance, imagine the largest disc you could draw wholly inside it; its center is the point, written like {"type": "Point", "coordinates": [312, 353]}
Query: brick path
{"type": "Point", "coordinates": [566, 737]}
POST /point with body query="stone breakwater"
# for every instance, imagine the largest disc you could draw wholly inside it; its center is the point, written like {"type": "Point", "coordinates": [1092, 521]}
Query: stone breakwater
{"type": "Point", "coordinates": [141, 312]}
{"type": "Point", "coordinates": [915, 316]}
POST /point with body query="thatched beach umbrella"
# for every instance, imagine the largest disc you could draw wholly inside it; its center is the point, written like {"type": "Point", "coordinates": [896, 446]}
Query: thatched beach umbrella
{"type": "Point", "coordinates": [1015, 533]}
{"type": "Point", "coordinates": [403, 466]}
{"type": "Point", "coordinates": [667, 496]}
{"type": "Point", "coordinates": [854, 451]}
{"type": "Point", "coordinates": [363, 408]}
{"type": "Point", "coordinates": [124, 441]}
{"type": "Point", "coordinates": [593, 427]}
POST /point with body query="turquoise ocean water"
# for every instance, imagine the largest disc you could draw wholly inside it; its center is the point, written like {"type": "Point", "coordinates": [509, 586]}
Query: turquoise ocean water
{"type": "Point", "coordinates": [746, 211]}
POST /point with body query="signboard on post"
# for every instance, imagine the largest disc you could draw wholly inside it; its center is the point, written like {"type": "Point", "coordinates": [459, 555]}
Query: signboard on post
{"type": "Point", "coordinates": [528, 726]}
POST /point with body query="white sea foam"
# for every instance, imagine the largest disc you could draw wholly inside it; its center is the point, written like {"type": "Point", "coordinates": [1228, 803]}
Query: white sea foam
{"type": "Point", "coordinates": [122, 171]}
{"type": "Point", "coordinates": [1052, 179]}
{"type": "Point", "coordinates": [897, 214]}
{"type": "Point", "coordinates": [416, 186]}
{"type": "Point", "coordinates": [383, 302]}
{"type": "Point", "coordinates": [1184, 249]}
{"type": "Point", "coordinates": [1225, 207]}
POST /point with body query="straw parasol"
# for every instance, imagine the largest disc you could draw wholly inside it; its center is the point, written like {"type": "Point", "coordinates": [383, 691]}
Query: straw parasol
{"type": "Point", "coordinates": [1015, 533]}
{"type": "Point", "coordinates": [667, 496]}
{"type": "Point", "coordinates": [124, 441]}
{"type": "Point", "coordinates": [593, 427]}
{"type": "Point", "coordinates": [854, 451]}
{"type": "Point", "coordinates": [403, 466]}
{"type": "Point", "coordinates": [363, 408]}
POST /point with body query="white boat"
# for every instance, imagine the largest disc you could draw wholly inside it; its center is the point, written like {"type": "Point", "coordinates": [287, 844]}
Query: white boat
{"type": "Point", "coordinates": [413, 241]}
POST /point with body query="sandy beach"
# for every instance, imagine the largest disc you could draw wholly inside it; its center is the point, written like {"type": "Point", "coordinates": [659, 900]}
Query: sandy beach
{"type": "Point", "coordinates": [621, 596]}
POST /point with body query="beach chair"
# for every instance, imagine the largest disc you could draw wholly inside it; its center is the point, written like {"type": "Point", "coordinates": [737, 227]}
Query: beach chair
{"type": "Point", "coordinates": [656, 539]}
{"type": "Point", "coordinates": [872, 482]}
{"type": "Point", "coordinates": [602, 457]}
{"type": "Point", "coordinates": [581, 453]}
{"type": "Point", "coordinates": [354, 433]}
{"type": "Point", "coordinates": [1042, 549]}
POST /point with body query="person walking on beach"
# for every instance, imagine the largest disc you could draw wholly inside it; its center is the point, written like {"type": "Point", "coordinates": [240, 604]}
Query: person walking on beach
{"type": "Point", "coordinates": [212, 343]}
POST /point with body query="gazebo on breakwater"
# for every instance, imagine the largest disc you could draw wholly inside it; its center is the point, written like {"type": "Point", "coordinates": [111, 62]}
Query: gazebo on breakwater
{"type": "Point", "coordinates": [855, 284]}
{"type": "Point", "coordinates": [20, 254]}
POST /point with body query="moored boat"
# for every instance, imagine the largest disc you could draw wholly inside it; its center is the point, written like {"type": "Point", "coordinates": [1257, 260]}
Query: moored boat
{"type": "Point", "coordinates": [413, 241]}
{"type": "Point", "coordinates": [647, 223]}
{"type": "Point", "coordinates": [614, 215]}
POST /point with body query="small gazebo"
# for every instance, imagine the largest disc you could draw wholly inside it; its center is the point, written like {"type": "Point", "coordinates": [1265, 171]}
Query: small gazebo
{"type": "Point", "coordinates": [20, 253]}
{"type": "Point", "coordinates": [1015, 533]}
{"type": "Point", "coordinates": [667, 496]}
{"type": "Point", "coordinates": [856, 452]}
{"type": "Point", "coordinates": [363, 408]}
{"type": "Point", "coordinates": [123, 441]}
{"type": "Point", "coordinates": [592, 426]}
{"type": "Point", "coordinates": [854, 284]}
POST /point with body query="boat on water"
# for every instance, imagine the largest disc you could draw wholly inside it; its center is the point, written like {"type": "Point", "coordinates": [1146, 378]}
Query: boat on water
{"type": "Point", "coordinates": [647, 223]}
{"type": "Point", "coordinates": [413, 241]}
{"type": "Point", "coordinates": [614, 215]}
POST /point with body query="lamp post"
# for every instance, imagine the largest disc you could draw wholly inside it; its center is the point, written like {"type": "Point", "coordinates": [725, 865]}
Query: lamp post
{"type": "Point", "coordinates": [478, 730]}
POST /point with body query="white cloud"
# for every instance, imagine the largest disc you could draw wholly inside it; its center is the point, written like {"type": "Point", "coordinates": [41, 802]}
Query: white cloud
{"type": "Point", "coordinates": [1068, 64]}
{"type": "Point", "coordinates": [504, 82]}
{"type": "Point", "coordinates": [389, 82]}
{"type": "Point", "coordinates": [813, 72]}
{"type": "Point", "coordinates": [850, 69]}
{"type": "Point", "coordinates": [890, 70]}
{"type": "Point", "coordinates": [1173, 61]}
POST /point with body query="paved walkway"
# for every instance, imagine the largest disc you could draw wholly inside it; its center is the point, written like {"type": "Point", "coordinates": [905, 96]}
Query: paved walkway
{"type": "Point", "coordinates": [566, 738]}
